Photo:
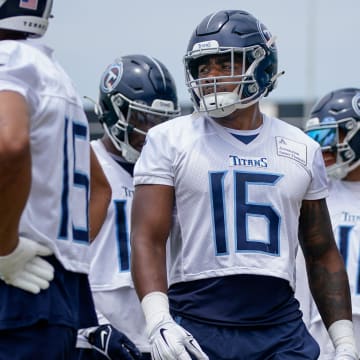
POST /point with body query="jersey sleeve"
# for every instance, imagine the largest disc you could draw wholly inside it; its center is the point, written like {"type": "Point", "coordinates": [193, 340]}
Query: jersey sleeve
{"type": "Point", "coordinates": [155, 164]}
{"type": "Point", "coordinates": [19, 76]}
{"type": "Point", "coordinates": [318, 188]}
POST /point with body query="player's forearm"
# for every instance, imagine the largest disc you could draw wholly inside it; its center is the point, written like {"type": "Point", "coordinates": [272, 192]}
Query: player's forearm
{"type": "Point", "coordinates": [100, 196]}
{"type": "Point", "coordinates": [325, 268]}
{"type": "Point", "coordinates": [148, 269]}
{"type": "Point", "coordinates": [14, 191]}
{"type": "Point", "coordinates": [15, 166]}
{"type": "Point", "coordinates": [330, 289]}
{"type": "Point", "coordinates": [15, 180]}
{"type": "Point", "coordinates": [151, 220]}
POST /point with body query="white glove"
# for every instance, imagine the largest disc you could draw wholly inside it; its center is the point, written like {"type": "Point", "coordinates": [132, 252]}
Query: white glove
{"type": "Point", "coordinates": [341, 333]}
{"type": "Point", "coordinates": [168, 339]}
{"type": "Point", "coordinates": [345, 354]}
{"type": "Point", "coordinates": [25, 269]}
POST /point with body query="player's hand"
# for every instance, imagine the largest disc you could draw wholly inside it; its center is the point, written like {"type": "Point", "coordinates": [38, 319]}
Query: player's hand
{"type": "Point", "coordinates": [113, 344]}
{"type": "Point", "coordinates": [170, 341]}
{"type": "Point", "coordinates": [25, 269]}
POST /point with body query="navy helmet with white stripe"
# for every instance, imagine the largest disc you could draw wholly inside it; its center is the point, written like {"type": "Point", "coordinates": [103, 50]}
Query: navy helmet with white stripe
{"type": "Point", "coordinates": [334, 122]}
{"type": "Point", "coordinates": [241, 37]}
{"type": "Point", "coordinates": [134, 84]}
{"type": "Point", "coordinates": [25, 16]}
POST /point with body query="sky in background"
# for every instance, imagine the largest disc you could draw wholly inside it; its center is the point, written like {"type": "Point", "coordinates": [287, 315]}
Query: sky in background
{"type": "Point", "coordinates": [317, 40]}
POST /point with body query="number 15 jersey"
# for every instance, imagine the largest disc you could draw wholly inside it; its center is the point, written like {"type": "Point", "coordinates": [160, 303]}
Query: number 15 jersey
{"type": "Point", "coordinates": [56, 212]}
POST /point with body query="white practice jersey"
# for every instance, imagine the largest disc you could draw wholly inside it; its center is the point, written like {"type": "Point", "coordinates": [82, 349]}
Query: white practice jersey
{"type": "Point", "coordinates": [110, 251]}
{"type": "Point", "coordinates": [237, 204]}
{"type": "Point", "coordinates": [110, 278]}
{"type": "Point", "coordinates": [56, 213]}
{"type": "Point", "coordinates": [344, 208]}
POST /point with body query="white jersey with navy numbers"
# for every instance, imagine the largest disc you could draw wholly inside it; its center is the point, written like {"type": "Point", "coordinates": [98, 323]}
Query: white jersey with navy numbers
{"type": "Point", "coordinates": [237, 204]}
{"type": "Point", "coordinates": [110, 251]}
{"type": "Point", "coordinates": [344, 208]}
{"type": "Point", "coordinates": [110, 278]}
{"type": "Point", "coordinates": [56, 213]}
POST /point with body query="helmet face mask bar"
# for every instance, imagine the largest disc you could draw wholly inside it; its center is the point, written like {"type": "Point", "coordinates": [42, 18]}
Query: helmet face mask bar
{"type": "Point", "coordinates": [244, 40]}
{"type": "Point", "coordinates": [121, 131]}
{"type": "Point", "coordinates": [335, 124]}
{"type": "Point", "coordinates": [218, 102]}
{"type": "Point", "coordinates": [151, 99]}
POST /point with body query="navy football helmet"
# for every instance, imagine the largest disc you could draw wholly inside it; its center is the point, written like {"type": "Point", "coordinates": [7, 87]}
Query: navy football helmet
{"type": "Point", "coordinates": [240, 35]}
{"type": "Point", "coordinates": [27, 16]}
{"type": "Point", "coordinates": [134, 84]}
{"type": "Point", "coordinates": [335, 113]}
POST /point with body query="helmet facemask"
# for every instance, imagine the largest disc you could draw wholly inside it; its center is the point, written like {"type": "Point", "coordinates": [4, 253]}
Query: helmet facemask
{"type": "Point", "coordinates": [208, 94]}
{"type": "Point", "coordinates": [131, 115]}
{"type": "Point", "coordinates": [136, 93]}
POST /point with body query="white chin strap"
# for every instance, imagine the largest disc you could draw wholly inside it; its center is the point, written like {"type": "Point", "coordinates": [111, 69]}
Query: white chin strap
{"type": "Point", "coordinates": [220, 104]}
{"type": "Point", "coordinates": [129, 153]}
{"type": "Point", "coordinates": [336, 172]}
{"type": "Point", "coordinates": [340, 171]}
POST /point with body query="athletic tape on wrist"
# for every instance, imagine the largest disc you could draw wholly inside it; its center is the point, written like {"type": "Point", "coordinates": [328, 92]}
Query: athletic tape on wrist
{"type": "Point", "coordinates": [155, 306]}
{"type": "Point", "coordinates": [341, 333]}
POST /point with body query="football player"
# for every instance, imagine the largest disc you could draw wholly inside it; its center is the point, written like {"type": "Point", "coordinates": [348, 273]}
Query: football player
{"type": "Point", "coordinates": [246, 188]}
{"type": "Point", "coordinates": [334, 123]}
{"type": "Point", "coordinates": [137, 92]}
{"type": "Point", "coordinates": [44, 189]}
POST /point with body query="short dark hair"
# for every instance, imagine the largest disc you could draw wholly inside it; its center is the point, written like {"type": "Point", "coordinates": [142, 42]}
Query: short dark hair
{"type": "Point", "coordinates": [6, 34]}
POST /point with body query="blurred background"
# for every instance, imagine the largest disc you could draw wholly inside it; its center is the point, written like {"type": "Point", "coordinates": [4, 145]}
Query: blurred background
{"type": "Point", "coordinates": [317, 43]}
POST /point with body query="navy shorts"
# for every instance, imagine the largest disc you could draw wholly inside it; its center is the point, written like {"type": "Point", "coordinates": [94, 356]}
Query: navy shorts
{"type": "Point", "coordinates": [41, 340]}
{"type": "Point", "coordinates": [44, 326]}
{"type": "Point", "coordinates": [289, 341]}
{"type": "Point", "coordinates": [88, 354]}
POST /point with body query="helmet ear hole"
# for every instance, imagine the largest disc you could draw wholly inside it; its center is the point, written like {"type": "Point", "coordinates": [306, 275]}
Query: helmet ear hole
{"type": "Point", "coordinates": [252, 89]}
{"type": "Point", "coordinates": [258, 53]}
{"type": "Point", "coordinates": [118, 133]}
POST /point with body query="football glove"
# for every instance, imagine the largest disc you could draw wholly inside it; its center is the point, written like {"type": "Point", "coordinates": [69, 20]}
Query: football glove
{"type": "Point", "coordinates": [346, 354]}
{"type": "Point", "coordinates": [112, 344]}
{"type": "Point", "coordinates": [168, 339]}
{"type": "Point", "coordinates": [25, 269]}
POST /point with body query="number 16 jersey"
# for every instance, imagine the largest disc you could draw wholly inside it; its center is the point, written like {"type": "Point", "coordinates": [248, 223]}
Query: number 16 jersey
{"type": "Point", "coordinates": [237, 204]}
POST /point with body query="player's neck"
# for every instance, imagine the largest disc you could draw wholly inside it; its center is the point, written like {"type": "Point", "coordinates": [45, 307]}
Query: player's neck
{"type": "Point", "coordinates": [243, 119]}
{"type": "Point", "coordinates": [109, 146]}
{"type": "Point", "coordinates": [12, 35]}
{"type": "Point", "coordinates": [353, 175]}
